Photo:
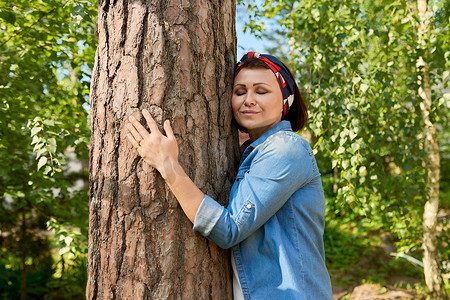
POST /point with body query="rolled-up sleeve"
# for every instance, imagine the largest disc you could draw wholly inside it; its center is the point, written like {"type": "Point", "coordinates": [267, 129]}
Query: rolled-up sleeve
{"type": "Point", "coordinates": [281, 166]}
{"type": "Point", "coordinates": [208, 214]}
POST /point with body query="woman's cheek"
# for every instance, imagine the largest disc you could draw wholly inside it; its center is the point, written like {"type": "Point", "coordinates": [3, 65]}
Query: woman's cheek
{"type": "Point", "coordinates": [234, 105]}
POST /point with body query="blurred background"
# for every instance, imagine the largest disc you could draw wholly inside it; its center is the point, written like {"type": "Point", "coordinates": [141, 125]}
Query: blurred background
{"type": "Point", "coordinates": [357, 65]}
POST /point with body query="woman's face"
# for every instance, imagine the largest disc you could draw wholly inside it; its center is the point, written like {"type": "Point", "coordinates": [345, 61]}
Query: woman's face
{"type": "Point", "coordinates": [257, 101]}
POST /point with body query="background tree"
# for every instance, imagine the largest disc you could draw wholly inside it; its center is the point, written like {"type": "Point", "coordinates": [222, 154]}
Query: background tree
{"type": "Point", "coordinates": [44, 83]}
{"type": "Point", "coordinates": [174, 58]}
{"type": "Point", "coordinates": [433, 276]}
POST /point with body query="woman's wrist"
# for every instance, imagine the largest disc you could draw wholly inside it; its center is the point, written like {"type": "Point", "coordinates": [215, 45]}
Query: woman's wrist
{"type": "Point", "coordinates": [187, 193]}
{"type": "Point", "coordinates": [168, 169]}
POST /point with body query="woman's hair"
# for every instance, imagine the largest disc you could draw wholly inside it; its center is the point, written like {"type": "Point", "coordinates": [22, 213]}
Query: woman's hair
{"type": "Point", "coordinates": [297, 114]}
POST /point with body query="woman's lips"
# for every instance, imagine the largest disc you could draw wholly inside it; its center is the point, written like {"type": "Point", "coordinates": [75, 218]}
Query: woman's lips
{"type": "Point", "coordinates": [249, 112]}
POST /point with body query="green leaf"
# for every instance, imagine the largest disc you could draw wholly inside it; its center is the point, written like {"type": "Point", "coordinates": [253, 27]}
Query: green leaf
{"type": "Point", "coordinates": [344, 164]}
{"type": "Point", "coordinates": [82, 140]}
{"type": "Point", "coordinates": [51, 149]}
{"type": "Point", "coordinates": [62, 160]}
{"type": "Point", "coordinates": [35, 130]}
{"type": "Point", "coordinates": [49, 122]}
{"type": "Point", "coordinates": [37, 119]}
{"type": "Point", "coordinates": [340, 150]}
{"type": "Point", "coordinates": [36, 139]}
{"type": "Point", "coordinates": [47, 169]}
{"type": "Point", "coordinates": [347, 174]}
{"type": "Point", "coordinates": [37, 147]}
{"type": "Point", "coordinates": [42, 162]}
{"type": "Point", "coordinates": [315, 14]}
{"type": "Point", "coordinates": [64, 250]}
{"type": "Point", "coordinates": [362, 171]}
{"type": "Point", "coordinates": [364, 87]}
{"type": "Point", "coordinates": [334, 163]}
{"type": "Point", "coordinates": [52, 141]}
{"type": "Point", "coordinates": [344, 133]}
{"type": "Point", "coordinates": [356, 79]}
{"type": "Point", "coordinates": [40, 152]}
{"type": "Point", "coordinates": [445, 75]}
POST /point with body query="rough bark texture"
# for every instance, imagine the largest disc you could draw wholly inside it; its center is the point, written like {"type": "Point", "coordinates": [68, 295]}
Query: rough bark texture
{"type": "Point", "coordinates": [433, 277]}
{"type": "Point", "coordinates": [174, 58]}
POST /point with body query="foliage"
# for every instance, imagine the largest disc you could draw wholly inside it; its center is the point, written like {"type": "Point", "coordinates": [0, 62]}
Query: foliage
{"type": "Point", "coordinates": [355, 256]}
{"type": "Point", "coordinates": [44, 88]}
{"type": "Point", "coordinates": [356, 61]}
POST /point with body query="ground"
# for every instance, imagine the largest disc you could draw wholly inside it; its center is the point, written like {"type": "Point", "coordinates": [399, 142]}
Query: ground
{"type": "Point", "coordinates": [373, 292]}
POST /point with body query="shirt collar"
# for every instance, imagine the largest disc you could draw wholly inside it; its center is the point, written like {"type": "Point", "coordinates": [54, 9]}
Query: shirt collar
{"type": "Point", "coordinates": [280, 126]}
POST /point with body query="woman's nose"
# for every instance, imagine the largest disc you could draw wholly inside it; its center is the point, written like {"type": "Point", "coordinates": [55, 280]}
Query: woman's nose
{"type": "Point", "coordinates": [249, 99]}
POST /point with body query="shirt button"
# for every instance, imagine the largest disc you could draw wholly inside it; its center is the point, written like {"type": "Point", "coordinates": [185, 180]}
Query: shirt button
{"type": "Point", "coordinates": [249, 206]}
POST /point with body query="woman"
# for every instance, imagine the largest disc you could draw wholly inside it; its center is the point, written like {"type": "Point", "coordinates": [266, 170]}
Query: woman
{"type": "Point", "coordinates": [275, 218]}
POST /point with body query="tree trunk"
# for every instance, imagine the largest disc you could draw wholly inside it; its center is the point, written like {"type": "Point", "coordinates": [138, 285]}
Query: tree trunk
{"type": "Point", "coordinates": [433, 277]}
{"type": "Point", "coordinates": [174, 58]}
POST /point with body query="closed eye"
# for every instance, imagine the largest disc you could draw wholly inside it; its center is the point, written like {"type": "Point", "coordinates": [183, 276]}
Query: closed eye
{"type": "Point", "coordinates": [240, 92]}
{"type": "Point", "coordinates": [261, 91]}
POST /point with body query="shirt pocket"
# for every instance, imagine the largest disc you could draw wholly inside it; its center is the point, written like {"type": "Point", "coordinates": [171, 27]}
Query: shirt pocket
{"type": "Point", "coordinates": [245, 212]}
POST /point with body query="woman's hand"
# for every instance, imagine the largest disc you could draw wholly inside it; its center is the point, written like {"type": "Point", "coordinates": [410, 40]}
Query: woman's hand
{"type": "Point", "coordinates": [161, 152]}
{"type": "Point", "coordinates": [158, 150]}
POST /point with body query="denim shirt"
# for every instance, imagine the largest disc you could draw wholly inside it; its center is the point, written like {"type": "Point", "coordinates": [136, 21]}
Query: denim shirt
{"type": "Point", "coordinates": [274, 221]}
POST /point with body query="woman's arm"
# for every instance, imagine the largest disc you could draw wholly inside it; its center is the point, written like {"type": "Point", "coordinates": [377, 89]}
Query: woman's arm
{"type": "Point", "coordinates": [280, 167]}
{"type": "Point", "coordinates": [161, 152]}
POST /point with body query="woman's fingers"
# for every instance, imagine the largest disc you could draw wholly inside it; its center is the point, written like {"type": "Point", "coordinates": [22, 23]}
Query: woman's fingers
{"type": "Point", "coordinates": [132, 140]}
{"type": "Point", "coordinates": [135, 134]}
{"type": "Point", "coordinates": [139, 128]}
{"type": "Point", "coordinates": [150, 121]}
{"type": "Point", "coordinates": [168, 129]}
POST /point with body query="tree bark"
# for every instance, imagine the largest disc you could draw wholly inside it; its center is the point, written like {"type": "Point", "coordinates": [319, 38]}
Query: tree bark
{"type": "Point", "coordinates": [174, 58]}
{"type": "Point", "coordinates": [433, 277]}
